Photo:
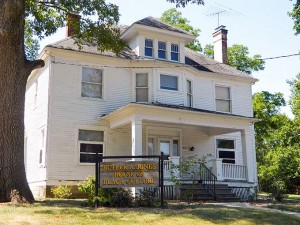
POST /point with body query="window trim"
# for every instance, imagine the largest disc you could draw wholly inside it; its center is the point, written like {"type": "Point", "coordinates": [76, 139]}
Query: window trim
{"type": "Point", "coordinates": [152, 48]}
{"type": "Point", "coordinates": [102, 84]}
{"type": "Point", "coordinates": [42, 149]}
{"type": "Point", "coordinates": [226, 149]}
{"type": "Point", "coordinates": [170, 75]}
{"type": "Point", "coordinates": [88, 142]}
{"type": "Point", "coordinates": [228, 100]}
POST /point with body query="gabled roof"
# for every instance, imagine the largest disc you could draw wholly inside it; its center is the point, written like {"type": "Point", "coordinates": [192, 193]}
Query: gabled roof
{"type": "Point", "coordinates": [69, 44]}
{"type": "Point", "coordinates": [153, 22]}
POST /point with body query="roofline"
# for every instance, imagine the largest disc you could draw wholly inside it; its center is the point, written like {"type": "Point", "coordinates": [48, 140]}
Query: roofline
{"type": "Point", "coordinates": [190, 37]}
{"type": "Point", "coordinates": [216, 114]}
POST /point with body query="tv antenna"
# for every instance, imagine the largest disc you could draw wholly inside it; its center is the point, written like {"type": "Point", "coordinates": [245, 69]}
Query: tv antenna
{"type": "Point", "coordinates": [221, 10]}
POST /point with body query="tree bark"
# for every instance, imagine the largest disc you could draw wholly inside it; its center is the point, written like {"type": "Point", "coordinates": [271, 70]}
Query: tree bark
{"type": "Point", "coordinates": [14, 71]}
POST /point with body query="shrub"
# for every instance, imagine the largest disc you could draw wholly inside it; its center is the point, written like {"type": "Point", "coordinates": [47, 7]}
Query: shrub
{"type": "Point", "coordinates": [61, 191]}
{"type": "Point", "coordinates": [147, 198]}
{"type": "Point", "coordinates": [278, 190]}
{"type": "Point", "coordinates": [122, 198]}
{"type": "Point", "coordinates": [88, 188]}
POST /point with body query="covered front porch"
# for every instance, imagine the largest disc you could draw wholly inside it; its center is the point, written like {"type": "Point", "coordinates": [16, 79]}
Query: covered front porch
{"type": "Point", "coordinates": [225, 140]}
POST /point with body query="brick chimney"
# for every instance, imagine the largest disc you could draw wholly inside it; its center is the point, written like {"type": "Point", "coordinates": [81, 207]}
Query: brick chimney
{"type": "Point", "coordinates": [220, 44]}
{"type": "Point", "coordinates": [73, 23]}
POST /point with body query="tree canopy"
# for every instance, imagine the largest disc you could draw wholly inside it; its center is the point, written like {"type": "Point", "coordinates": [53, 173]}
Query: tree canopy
{"type": "Point", "coordinates": [295, 14]}
{"type": "Point", "coordinates": [174, 18]}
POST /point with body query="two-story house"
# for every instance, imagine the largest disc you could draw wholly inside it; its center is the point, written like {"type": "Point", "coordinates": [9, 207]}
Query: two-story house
{"type": "Point", "coordinates": [155, 96]}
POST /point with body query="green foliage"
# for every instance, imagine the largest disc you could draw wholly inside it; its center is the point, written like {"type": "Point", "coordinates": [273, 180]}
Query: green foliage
{"type": "Point", "coordinates": [238, 57]}
{"type": "Point", "coordinates": [122, 198]}
{"type": "Point", "coordinates": [45, 17]}
{"type": "Point", "coordinates": [183, 3]}
{"type": "Point", "coordinates": [61, 191]}
{"type": "Point", "coordinates": [88, 188]}
{"type": "Point", "coordinates": [208, 51]}
{"type": "Point", "coordinates": [147, 198]}
{"type": "Point", "coordinates": [295, 95]}
{"type": "Point", "coordinates": [31, 43]}
{"type": "Point", "coordinates": [278, 190]}
{"type": "Point", "coordinates": [295, 14]}
{"type": "Point", "coordinates": [174, 18]}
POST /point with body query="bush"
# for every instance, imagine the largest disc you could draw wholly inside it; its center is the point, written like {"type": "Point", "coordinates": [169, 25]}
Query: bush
{"type": "Point", "coordinates": [278, 190]}
{"type": "Point", "coordinates": [88, 188]}
{"type": "Point", "coordinates": [147, 198]}
{"type": "Point", "coordinates": [61, 191]}
{"type": "Point", "coordinates": [122, 198]}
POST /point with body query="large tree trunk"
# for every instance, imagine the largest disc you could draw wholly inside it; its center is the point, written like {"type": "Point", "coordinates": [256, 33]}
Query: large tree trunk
{"type": "Point", "coordinates": [14, 70]}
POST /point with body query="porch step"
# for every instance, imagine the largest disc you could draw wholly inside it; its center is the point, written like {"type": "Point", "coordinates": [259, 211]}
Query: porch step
{"type": "Point", "coordinates": [199, 192]}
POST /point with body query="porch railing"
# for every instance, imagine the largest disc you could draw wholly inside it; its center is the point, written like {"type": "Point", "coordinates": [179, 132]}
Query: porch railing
{"type": "Point", "coordinates": [167, 167]}
{"type": "Point", "coordinates": [234, 172]}
{"type": "Point", "coordinates": [208, 180]}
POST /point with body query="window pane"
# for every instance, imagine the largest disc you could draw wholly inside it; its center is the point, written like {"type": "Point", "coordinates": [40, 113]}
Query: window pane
{"type": "Point", "coordinates": [174, 48]}
{"type": "Point", "coordinates": [141, 80]}
{"type": "Point", "coordinates": [148, 52]}
{"type": "Point", "coordinates": [175, 148]}
{"type": "Point", "coordinates": [227, 154]}
{"type": "Point", "coordinates": [91, 90]}
{"type": "Point", "coordinates": [189, 100]}
{"type": "Point", "coordinates": [90, 135]}
{"type": "Point", "coordinates": [223, 143]}
{"type": "Point", "coordinates": [223, 106]}
{"type": "Point", "coordinates": [165, 147]}
{"type": "Point", "coordinates": [87, 158]}
{"type": "Point", "coordinates": [168, 82]}
{"type": "Point", "coordinates": [91, 75]}
{"type": "Point", "coordinates": [142, 94]}
{"type": "Point", "coordinates": [232, 161]}
{"type": "Point", "coordinates": [162, 45]}
{"type": "Point", "coordinates": [222, 92]}
{"type": "Point", "coordinates": [189, 86]}
{"type": "Point", "coordinates": [161, 54]}
{"type": "Point", "coordinates": [148, 43]}
{"type": "Point", "coordinates": [174, 56]}
{"type": "Point", "coordinates": [91, 148]}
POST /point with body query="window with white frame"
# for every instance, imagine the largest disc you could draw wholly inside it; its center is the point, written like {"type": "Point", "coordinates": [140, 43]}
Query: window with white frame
{"type": "Point", "coordinates": [149, 47]}
{"type": "Point", "coordinates": [226, 150]}
{"type": "Point", "coordinates": [168, 82]}
{"type": "Point", "coordinates": [189, 93]}
{"type": "Point", "coordinates": [223, 99]}
{"type": "Point", "coordinates": [162, 50]}
{"type": "Point", "coordinates": [141, 87]}
{"type": "Point", "coordinates": [90, 142]}
{"type": "Point", "coordinates": [91, 83]}
{"type": "Point", "coordinates": [174, 52]}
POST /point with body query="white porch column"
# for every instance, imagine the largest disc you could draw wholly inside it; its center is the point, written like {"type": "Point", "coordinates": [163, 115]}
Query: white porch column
{"type": "Point", "coordinates": [249, 157]}
{"type": "Point", "coordinates": [217, 169]}
{"type": "Point", "coordinates": [136, 135]}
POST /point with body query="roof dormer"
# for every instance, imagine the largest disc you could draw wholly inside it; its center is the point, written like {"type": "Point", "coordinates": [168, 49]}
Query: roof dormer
{"type": "Point", "coordinates": [153, 39]}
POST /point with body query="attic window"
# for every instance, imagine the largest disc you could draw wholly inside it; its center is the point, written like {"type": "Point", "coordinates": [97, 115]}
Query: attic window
{"type": "Point", "coordinates": [149, 47]}
{"type": "Point", "coordinates": [162, 50]}
{"type": "Point", "coordinates": [175, 52]}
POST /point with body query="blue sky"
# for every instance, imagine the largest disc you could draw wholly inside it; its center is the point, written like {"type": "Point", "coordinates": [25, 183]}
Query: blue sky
{"type": "Point", "coordinates": [263, 26]}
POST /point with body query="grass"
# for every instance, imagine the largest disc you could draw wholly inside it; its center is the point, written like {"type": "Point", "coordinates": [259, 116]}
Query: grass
{"type": "Point", "coordinates": [292, 207]}
{"type": "Point", "coordinates": [67, 212]}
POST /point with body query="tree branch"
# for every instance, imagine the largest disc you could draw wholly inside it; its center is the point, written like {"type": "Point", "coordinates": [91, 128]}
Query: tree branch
{"type": "Point", "coordinates": [31, 65]}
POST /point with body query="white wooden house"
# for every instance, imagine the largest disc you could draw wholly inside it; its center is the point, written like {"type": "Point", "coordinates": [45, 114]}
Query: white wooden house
{"type": "Point", "coordinates": [155, 96]}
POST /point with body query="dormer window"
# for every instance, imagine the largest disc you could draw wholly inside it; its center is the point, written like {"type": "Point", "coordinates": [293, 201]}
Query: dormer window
{"type": "Point", "coordinates": [149, 47]}
{"type": "Point", "coordinates": [174, 52]}
{"type": "Point", "coordinates": [162, 50]}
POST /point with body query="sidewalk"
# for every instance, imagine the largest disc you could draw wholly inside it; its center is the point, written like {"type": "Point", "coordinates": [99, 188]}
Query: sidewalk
{"type": "Point", "coordinates": [249, 206]}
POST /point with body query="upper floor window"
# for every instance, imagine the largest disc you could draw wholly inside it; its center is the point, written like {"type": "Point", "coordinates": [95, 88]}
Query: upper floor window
{"type": "Point", "coordinates": [162, 50]}
{"type": "Point", "coordinates": [174, 52]}
{"type": "Point", "coordinates": [91, 83]}
{"type": "Point", "coordinates": [90, 142]}
{"type": "Point", "coordinates": [189, 93]}
{"type": "Point", "coordinates": [149, 47]}
{"type": "Point", "coordinates": [169, 82]}
{"type": "Point", "coordinates": [223, 99]}
{"type": "Point", "coordinates": [141, 87]}
{"type": "Point", "coordinates": [226, 150]}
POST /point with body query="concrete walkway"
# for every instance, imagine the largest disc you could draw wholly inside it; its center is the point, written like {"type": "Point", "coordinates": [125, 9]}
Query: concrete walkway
{"type": "Point", "coordinates": [249, 206]}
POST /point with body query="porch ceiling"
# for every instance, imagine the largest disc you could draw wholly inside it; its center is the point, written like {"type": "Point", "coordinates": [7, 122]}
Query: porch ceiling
{"type": "Point", "coordinates": [214, 122]}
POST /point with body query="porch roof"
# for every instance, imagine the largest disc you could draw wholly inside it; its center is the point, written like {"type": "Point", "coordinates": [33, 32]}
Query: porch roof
{"type": "Point", "coordinates": [175, 114]}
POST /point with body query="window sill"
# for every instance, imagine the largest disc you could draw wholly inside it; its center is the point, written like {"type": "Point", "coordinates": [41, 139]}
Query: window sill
{"type": "Point", "coordinates": [92, 99]}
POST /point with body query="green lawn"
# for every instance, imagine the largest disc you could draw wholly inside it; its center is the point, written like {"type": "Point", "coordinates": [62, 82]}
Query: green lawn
{"type": "Point", "coordinates": [72, 212]}
{"type": "Point", "coordinates": [292, 207]}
